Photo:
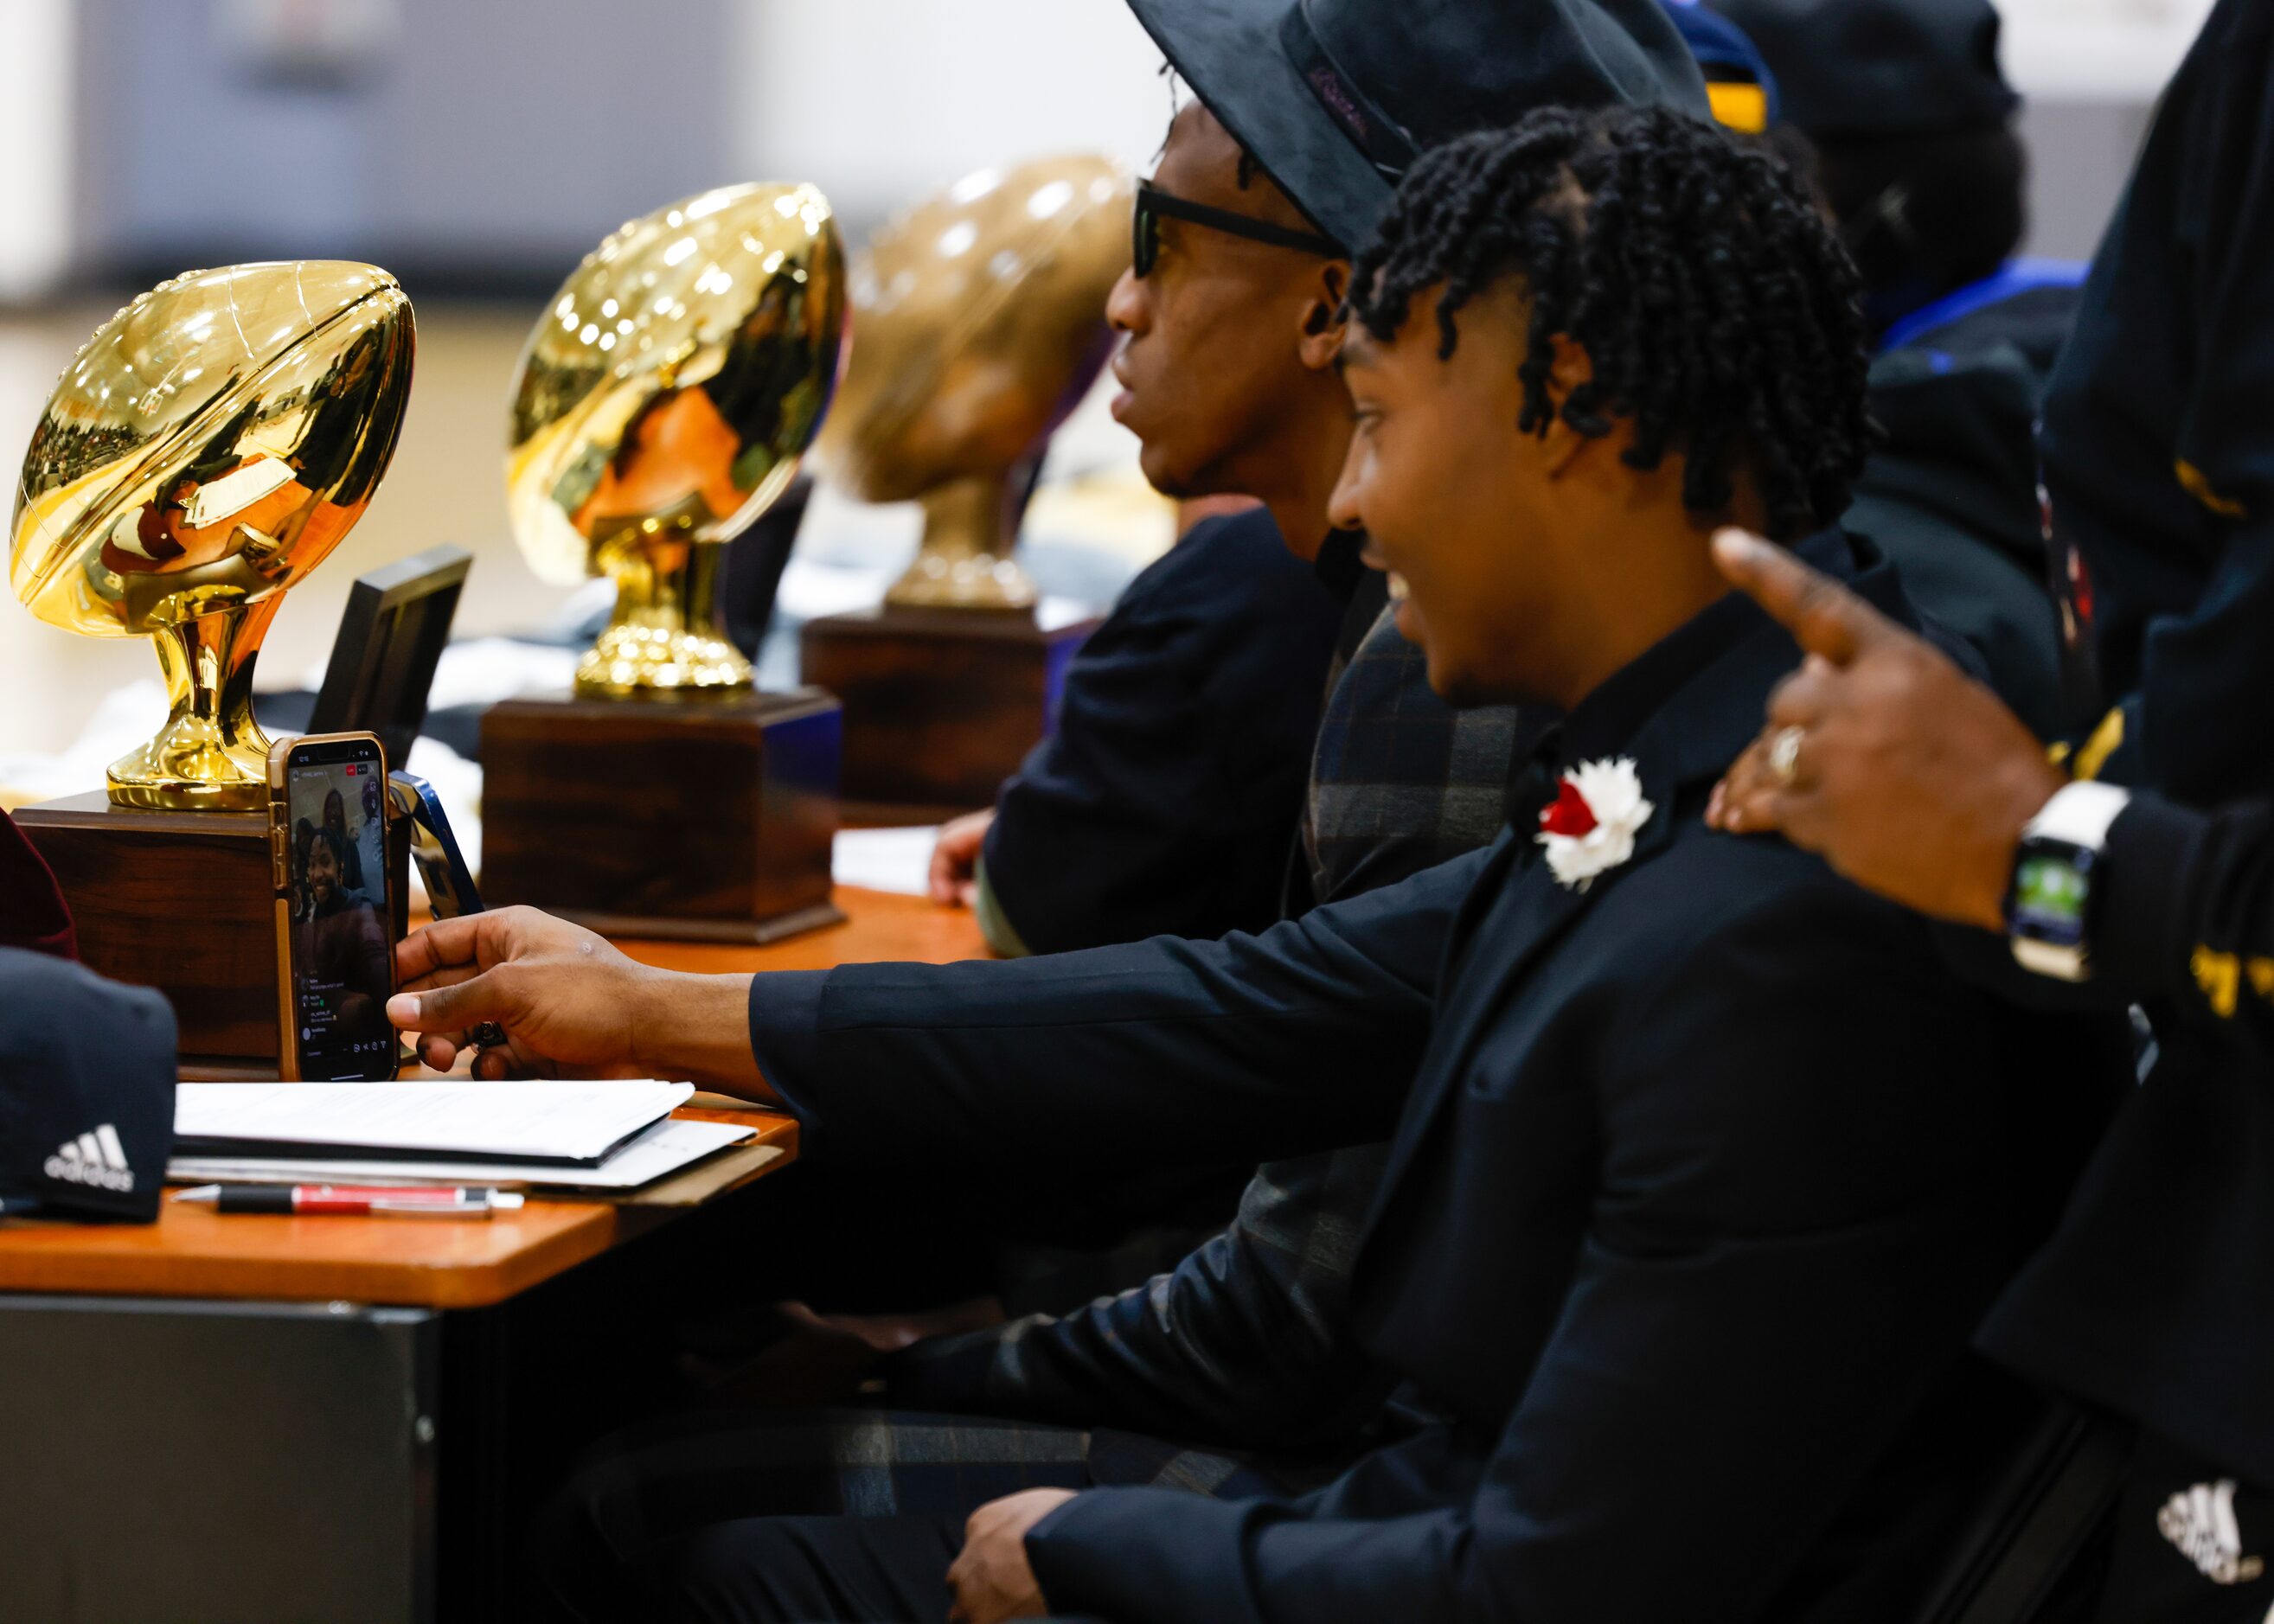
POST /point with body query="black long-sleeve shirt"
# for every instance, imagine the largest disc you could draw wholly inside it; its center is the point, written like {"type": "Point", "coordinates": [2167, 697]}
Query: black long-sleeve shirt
{"type": "Point", "coordinates": [2157, 1297]}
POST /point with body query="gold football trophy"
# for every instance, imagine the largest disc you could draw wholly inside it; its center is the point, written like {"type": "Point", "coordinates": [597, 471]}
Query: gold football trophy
{"type": "Point", "coordinates": [207, 448]}
{"type": "Point", "coordinates": [662, 404]}
{"type": "Point", "coordinates": [981, 317]}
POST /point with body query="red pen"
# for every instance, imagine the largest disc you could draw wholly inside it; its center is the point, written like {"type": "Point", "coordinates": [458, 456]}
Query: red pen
{"type": "Point", "coordinates": [354, 1200]}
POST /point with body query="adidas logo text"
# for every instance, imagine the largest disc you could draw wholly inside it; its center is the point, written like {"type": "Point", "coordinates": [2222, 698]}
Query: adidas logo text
{"type": "Point", "coordinates": [2201, 1523]}
{"type": "Point", "coordinates": [96, 1159]}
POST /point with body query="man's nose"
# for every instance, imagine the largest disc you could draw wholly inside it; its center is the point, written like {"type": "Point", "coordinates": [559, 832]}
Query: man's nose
{"type": "Point", "coordinates": [1343, 506]}
{"type": "Point", "coordinates": [1125, 306]}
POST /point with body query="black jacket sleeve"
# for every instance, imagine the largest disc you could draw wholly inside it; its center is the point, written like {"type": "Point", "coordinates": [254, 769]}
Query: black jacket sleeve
{"type": "Point", "coordinates": [2186, 918]}
{"type": "Point", "coordinates": [1297, 1039]}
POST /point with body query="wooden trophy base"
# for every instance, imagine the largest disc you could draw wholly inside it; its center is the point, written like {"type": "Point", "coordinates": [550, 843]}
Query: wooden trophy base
{"type": "Point", "coordinates": [941, 705]}
{"type": "Point", "coordinates": [184, 902]}
{"type": "Point", "coordinates": [706, 818]}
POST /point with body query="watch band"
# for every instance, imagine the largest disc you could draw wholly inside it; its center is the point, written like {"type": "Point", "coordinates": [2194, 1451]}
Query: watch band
{"type": "Point", "coordinates": [2075, 820]}
{"type": "Point", "coordinates": [2078, 813]}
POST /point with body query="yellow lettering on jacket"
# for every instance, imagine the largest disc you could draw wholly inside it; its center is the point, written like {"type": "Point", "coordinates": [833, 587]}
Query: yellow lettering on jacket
{"type": "Point", "coordinates": [2093, 755]}
{"type": "Point", "coordinates": [2219, 976]}
{"type": "Point", "coordinates": [2192, 481]}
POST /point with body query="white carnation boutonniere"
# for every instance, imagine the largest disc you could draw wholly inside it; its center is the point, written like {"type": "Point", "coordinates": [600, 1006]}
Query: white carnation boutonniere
{"type": "Point", "coordinates": [1592, 826]}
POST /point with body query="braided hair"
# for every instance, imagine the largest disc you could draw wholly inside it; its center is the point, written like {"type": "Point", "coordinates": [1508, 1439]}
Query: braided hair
{"type": "Point", "coordinates": [1718, 310]}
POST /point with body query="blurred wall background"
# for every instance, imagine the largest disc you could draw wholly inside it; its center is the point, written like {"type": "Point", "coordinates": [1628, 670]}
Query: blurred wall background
{"type": "Point", "coordinates": [478, 147]}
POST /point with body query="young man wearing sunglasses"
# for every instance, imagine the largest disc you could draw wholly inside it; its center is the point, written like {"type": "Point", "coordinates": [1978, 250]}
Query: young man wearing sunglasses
{"type": "Point", "coordinates": [1110, 831]}
{"type": "Point", "coordinates": [1265, 183]}
{"type": "Point", "coordinates": [1164, 799]}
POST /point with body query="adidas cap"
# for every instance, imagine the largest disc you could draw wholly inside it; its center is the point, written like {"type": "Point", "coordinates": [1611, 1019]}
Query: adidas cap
{"type": "Point", "coordinates": [87, 1092]}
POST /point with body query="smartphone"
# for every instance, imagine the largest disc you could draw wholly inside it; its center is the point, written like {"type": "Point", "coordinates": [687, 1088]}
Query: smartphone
{"type": "Point", "coordinates": [335, 919]}
{"type": "Point", "coordinates": [442, 867]}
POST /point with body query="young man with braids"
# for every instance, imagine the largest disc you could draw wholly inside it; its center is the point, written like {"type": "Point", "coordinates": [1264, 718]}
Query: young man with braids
{"type": "Point", "coordinates": [1230, 316]}
{"type": "Point", "coordinates": [1693, 1305]}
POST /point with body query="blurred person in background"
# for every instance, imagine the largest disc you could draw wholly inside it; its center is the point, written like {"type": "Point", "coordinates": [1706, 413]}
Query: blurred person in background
{"type": "Point", "coordinates": [1905, 111]}
{"type": "Point", "coordinates": [335, 823]}
{"type": "Point", "coordinates": [1909, 114]}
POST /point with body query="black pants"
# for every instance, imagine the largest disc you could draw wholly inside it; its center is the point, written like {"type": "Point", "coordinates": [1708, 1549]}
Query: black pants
{"type": "Point", "coordinates": [835, 1514]}
{"type": "Point", "coordinates": [2191, 1544]}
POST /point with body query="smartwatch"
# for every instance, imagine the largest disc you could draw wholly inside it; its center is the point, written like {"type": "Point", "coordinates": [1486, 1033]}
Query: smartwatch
{"type": "Point", "coordinates": [2056, 870]}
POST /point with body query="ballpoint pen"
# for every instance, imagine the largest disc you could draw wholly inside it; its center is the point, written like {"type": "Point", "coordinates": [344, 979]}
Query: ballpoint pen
{"type": "Point", "coordinates": [354, 1200]}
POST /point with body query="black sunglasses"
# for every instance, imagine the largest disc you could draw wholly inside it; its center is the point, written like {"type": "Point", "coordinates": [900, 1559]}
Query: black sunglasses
{"type": "Point", "coordinates": [1153, 205]}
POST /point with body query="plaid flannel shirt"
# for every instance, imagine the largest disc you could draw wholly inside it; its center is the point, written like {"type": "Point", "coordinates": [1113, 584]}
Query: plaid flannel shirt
{"type": "Point", "coordinates": [1400, 780]}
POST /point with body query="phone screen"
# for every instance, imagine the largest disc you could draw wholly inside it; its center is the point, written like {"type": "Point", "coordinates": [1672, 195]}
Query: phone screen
{"type": "Point", "coordinates": [341, 943]}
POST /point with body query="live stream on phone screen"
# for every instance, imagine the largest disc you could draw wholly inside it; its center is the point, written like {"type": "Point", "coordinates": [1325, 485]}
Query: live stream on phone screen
{"type": "Point", "coordinates": [342, 954]}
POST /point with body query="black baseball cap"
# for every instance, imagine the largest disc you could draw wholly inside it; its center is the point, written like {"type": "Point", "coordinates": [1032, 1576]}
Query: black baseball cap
{"type": "Point", "coordinates": [86, 1091]}
{"type": "Point", "coordinates": [1874, 68]}
{"type": "Point", "coordinates": [1335, 99]}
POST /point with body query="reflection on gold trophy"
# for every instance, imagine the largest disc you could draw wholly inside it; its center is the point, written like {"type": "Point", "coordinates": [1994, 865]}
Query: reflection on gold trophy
{"type": "Point", "coordinates": [662, 404]}
{"type": "Point", "coordinates": [207, 448]}
{"type": "Point", "coordinates": [981, 317]}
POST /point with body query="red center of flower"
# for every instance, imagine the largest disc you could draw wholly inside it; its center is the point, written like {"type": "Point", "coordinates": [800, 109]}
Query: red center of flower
{"type": "Point", "coordinates": [1569, 815]}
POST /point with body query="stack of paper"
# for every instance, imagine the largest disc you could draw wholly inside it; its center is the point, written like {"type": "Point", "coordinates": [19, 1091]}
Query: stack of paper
{"type": "Point", "coordinates": [601, 1136]}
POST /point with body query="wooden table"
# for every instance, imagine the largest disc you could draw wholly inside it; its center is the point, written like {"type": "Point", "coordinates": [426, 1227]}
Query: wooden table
{"type": "Point", "coordinates": [281, 1418]}
{"type": "Point", "coordinates": [192, 1251]}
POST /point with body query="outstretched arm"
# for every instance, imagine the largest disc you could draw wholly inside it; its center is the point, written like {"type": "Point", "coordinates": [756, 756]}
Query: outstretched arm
{"type": "Point", "coordinates": [1300, 1039]}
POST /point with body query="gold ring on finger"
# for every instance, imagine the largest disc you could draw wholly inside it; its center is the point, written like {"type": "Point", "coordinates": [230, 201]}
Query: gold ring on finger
{"type": "Point", "coordinates": [1784, 754]}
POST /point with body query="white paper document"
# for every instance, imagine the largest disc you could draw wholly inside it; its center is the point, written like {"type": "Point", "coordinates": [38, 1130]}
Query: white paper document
{"type": "Point", "coordinates": [564, 1122]}
{"type": "Point", "coordinates": [664, 1149]}
{"type": "Point", "coordinates": [894, 859]}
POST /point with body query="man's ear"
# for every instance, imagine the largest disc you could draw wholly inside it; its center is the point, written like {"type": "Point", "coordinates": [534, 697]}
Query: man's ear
{"type": "Point", "coordinates": [1571, 367]}
{"type": "Point", "coordinates": [1323, 320]}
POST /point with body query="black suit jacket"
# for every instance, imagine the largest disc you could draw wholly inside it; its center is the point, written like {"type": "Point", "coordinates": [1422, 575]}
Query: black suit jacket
{"type": "Point", "coordinates": [1700, 1178]}
{"type": "Point", "coordinates": [1166, 797]}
